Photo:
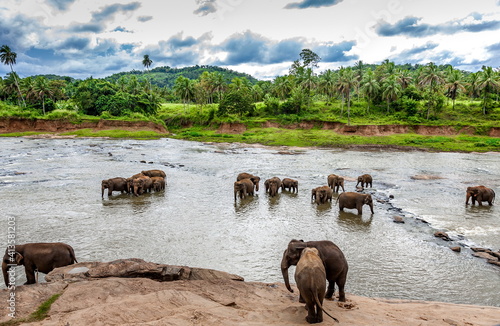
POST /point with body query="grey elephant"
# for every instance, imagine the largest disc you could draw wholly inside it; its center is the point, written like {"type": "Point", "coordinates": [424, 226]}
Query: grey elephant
{"type": "Point", "coordinates": [154, 173]}
{"type": "Point", "coordinates": [365, 180]}
{"type": "Point", "coordinates": [481, 194]}
{"type": "Point", "coordinates": [290, 185]}
{"type": "Point", "coordinates": [114, 184]}
{"type": "Point", "coordinates": [336, 266]}
{"type": "Point", "coordinates": [130, 181]}
{"type": "Point", "coordinates": [355, 200]}
{"type": "Point", "coordinates": [42, 257]}
{"type": "Point", "coordinates": [335, 182]}
{"type": "Point", "coordinates": [322, 194]}
{"type": "Point", "coordinates": [242, 188]}
{"type": "Point", "coordinates": [310, 277]}
{"type": "Point", "coordinates": [159, 183]}
{"type": "Point", "coordinates": [255, 179]}
{"type": "Point", "coordinates": [272, 186]}
{"type": "Point", "coordinates": [141, 185]}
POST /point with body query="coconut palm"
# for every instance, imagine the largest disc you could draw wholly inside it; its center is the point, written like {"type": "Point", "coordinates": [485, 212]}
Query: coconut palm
{"type": "Point", "coordinates": [346, 83]}
{"type": "Point", "coordinates": [326, 84]}
{"type": "Point", "coordinates": [489, 81]}
{"type": "Point", "coordinates": [8, 57]}
{"type": "Point", "coordinates": [370, 87]}
{"type": "Point", "coordinates": [43, 90]}
{"type": "Point", "coordinates": [146, 61]}
{"type": "Point", "coordinates": [183, 88]}
{"type": "Point", "coordinates": [433, 79]}
{"type": "Point", "coordinates": [454, 84]}
{"type": "Point", "coordinates": [391, 90]}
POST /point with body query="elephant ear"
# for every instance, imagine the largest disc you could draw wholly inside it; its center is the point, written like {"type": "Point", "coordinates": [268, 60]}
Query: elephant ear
{"type": "Point", "coordinates": [19, 258]}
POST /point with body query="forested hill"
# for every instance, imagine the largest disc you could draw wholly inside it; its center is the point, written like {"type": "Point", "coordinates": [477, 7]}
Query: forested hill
{"type": "Point", "coordinates": [166, 76]}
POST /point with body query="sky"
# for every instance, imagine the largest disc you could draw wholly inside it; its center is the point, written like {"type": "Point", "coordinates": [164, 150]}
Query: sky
{"type": "Point", "coordinates": [88, 38]}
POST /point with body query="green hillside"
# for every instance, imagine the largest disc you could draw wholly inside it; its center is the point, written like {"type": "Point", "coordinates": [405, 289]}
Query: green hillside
{"type": "Point", "coordinates": [166, 76]}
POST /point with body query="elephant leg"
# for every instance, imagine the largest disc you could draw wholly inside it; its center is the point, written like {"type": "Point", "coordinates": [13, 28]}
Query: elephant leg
{"type": "Point", "coordinates": [341, 290]}
{"type": "Point", "coordinates": [331, 289]}
{"type": "Point", "coordinates": [30, 275]}
{"type": "Point", "coordinates": [311, 313]}
{"type": "Point", "coordinates": [301, 300]}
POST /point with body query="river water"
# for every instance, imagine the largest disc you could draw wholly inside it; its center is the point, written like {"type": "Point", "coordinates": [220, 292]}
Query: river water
{"type": "Point", "coordinates": [51, 187]}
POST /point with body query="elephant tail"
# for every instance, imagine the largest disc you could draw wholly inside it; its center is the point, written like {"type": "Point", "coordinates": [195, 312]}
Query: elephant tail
{"type": "Point", "coordinates": [72, 255]}
{"type": "Point", "coordinates": [321, 307]}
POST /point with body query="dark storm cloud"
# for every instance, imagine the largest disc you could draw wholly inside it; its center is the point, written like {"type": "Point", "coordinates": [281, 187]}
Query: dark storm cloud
{"type": "Point", "coordinates": [14, 31]}
{"type": "Point", "coordinates": [75, 43]}
{"type": "Point", "coordinates": [412, 26]}
{"type": "Point", "coordinates": [61, 5]}
{"type": "Point", "coordinates": [99, 18]}
{"type": "Point", "coordinates": [177, 41]}
{"type": "Point", "coordinates": [205, 7]}
{"type": "Point", "coordinates": [284, 51]}
{"type": "Point", "coordinates": [336, 52]}
{"type": "Point", "coordinates": [244, 48]}
{"type": "Point", "coordinates": [304, 4]}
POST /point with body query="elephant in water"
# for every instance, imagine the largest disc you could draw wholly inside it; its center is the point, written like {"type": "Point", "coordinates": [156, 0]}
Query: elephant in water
{"type": "Point", "coordinates": [114, 184]}
{"type": "Point", "coordinates": [272, 186]}
{"type": "Point", "coordinates": [355, 200]}
{"type": "Point", "coordinates": [336, 266]}
{"type": "Point", "coordinates": [481, 194]}
{"type": "Point", "coordinates": [322, 194]}
{"type": "Point", "coordinates": [255, 179]}
{"type": "Point", "coordinates": [243, 188]}
{"type": "Point", "coordinates": [290, 185]}
{"type": "Point", "coordinates": [335, 182]}
{"type": "Point", "coordinates": [141, 185]}
{"type": "Point", "coordinates": [365, 179]}
{"type": "Point", "coordinates": [42, 257]}
{"type": "Point", "coordinates": [154, 173]}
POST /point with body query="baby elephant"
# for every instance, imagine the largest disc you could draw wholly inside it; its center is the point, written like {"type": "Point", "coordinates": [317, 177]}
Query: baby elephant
{"type": "Point", "coordinates": [310, 276]}
{"type": "Point", "coordinates": [114, 184]}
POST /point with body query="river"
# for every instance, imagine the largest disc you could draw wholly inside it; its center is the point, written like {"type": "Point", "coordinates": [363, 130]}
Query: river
{"type": "Point", "coordinates": [51, 187]}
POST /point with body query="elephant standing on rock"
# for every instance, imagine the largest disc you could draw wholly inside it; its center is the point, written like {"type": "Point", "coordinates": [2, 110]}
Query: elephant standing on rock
{"type": "Point", "coordinates": [243, 188]}
{"type": "Point", "coordinates": [310, 277]}
{"type": "Point", "coordinates": [322, 194]}
{"type": "Point", "coordinates": [114, 184]}
{"type": "Point", "coordinates": [290, 185]}
{"type": "Point", "coordinates": [365, 179]}
{"type": "Point", "coordinates": [333, 259]}
{"type": "Point", "coordinates": [480, 193]}
{"type": "Point", "coordinates": [355, 200]}
{"type": "Point", "coordinates": [335, 182]}
{"type": "Point", "coordinates": [272, 186]}
{"type": "Point", "coordinates": [154, 173]}
{"type": "Point", "coordinates": [41, 257]}
{"type": "Point", "coordinates": [142, 184]}
{"type": "Point", "coordinates": [255, 179]}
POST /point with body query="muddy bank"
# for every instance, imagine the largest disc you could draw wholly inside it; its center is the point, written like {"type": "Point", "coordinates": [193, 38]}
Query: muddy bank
{"type": "Point", "coordinates": [364, 130]}
{"type": "Point", "coordinates": [22, 125]}
{"type": "Point", "coordinates": [219, 301]}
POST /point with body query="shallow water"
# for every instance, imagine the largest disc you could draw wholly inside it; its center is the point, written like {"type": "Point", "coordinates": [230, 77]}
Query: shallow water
{"type": "Point", "coordinates": [52, 188]}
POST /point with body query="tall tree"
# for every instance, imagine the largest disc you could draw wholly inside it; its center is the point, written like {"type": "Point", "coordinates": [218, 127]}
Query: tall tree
{"type": "Point", "coordinates": [370, 87]}
{"type": "Point", "coordinates": [8, 57]}
{"type": "Point", "coordinates": [184, 89]}
{"type": "Point", "coordinates": [146, 61]}
{"type": "Point", "coordinates": [454, 84]}
{"type": "Point", "coordinates": [326, 84]}
{"type": "Point", "coordinates": [348, 81]}
{"type": "Point", "coordinates": [489, 82]}
{"type": "Point", "coordinates": [391, 90]}
{"type": "Point", "coordinates": [433, 79]}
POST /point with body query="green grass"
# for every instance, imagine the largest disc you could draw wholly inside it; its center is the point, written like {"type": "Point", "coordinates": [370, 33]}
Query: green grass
{"type": "Point", "coordinates": [40, 314]}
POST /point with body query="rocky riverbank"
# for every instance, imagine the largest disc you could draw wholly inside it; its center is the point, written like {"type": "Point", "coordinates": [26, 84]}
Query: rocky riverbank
{"type": "Point", "coordinates": [135, 292]}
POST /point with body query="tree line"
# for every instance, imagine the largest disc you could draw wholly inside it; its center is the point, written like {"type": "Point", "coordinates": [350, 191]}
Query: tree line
{"type": "Point", "coordinates": [414, 92]}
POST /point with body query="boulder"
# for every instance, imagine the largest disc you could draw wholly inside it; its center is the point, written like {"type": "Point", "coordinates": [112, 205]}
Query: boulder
{"type": "Point", "coordinates": [398, 219]}
{"type": "Point", "coordinates": [442, 235]}
{"type": "Point", "coordinates": [456, 249]}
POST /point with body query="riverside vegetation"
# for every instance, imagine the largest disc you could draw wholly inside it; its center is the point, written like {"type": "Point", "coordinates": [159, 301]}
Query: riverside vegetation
{"type": "Point", "coordinates": [203, 97]}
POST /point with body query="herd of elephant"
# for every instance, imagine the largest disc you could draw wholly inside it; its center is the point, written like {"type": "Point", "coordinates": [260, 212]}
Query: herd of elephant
{"type": "Point", "coordinates": [137, 184]}
{"type": "Point", "coordinates": [246, 184]}
{"type": "Point", "coordinates": [317, 262]}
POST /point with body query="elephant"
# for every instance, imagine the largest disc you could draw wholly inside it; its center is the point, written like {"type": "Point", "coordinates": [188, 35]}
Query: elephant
{"type": "Point", "coordinates": [480, 193]}
{"type": "Point", "coordinates": [255, 179]}
{"type": "Point", "coordinates": [131, 180]}
{"type": "Point", "coordinates": [290, 185]}
{"type": "Point", "coordinates": [365, 179]}
{"type": "Point", "coordinates": [243, 188]}
{"type": "Point", "coordinates": [114, 184]}
{"type": "Point", "coordinates": [41, 257]}
{"type": "Point", "coordinates": [322, 194]}
{"type": "Point", "coordinates": [158, 183]}
{"type": "Point", "coordinates": [142, 185]}
{"type": "Point", "coordinates": [154, 173]}
{"type": "Point", "coordinates": [272, 186]}
{"type": "Point", "coordinates": [336, 266]}
{"type": "Point", "coordinates": [310, 277]}
{"type": "Point", "coordinates": [355, 200]}
{"type": "Point", "coordinates": [335, 182]}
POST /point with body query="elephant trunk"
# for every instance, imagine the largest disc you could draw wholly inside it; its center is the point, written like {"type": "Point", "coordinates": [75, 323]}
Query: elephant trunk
{"type": "Point", "coordinates": [102, 191]}
{"type": "Point", "coordinates": [284, 271]}
{"type": "Point", "coordinates": [5, 274]}
{"type": "Point", "coordinates": [467, 196]}
{"type": "Point", "coordinates": [371, 208]}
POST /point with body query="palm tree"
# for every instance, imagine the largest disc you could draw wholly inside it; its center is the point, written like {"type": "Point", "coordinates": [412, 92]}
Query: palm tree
{"type": "Point", "coordinates": [43, 90]}
{"type": "Point", "coordinates": [326, 84]}
{"type": "Point", "coordinates": [432, 78]}
{"type": "Point", "coordinates": [472, 85]}
{"type": "Point", "coordinates": [391, 89]}
{"type": "Point", "coordinates": [489, 81]}
{"type": "Point", "coordinates": [348, 81]}
{"type": "Point", "coordinates": [282, 86]}
{"type": "Point", "coordinates": [146, 61]}
{"type": "Point", "coordinates": [454, 84]}
{"type": "Point", "coordinates": [8, 57]}
{"type": "Point", "coordinates": [183, 88]}
{"type": "Point", "coordinates": [370, 87]}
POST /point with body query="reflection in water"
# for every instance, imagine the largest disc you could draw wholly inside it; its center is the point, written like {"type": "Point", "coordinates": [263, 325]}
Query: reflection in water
{"type": "Point", "coordinates": [207, 228]}
{"type": "Point", "coordinates": [354, 222]}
